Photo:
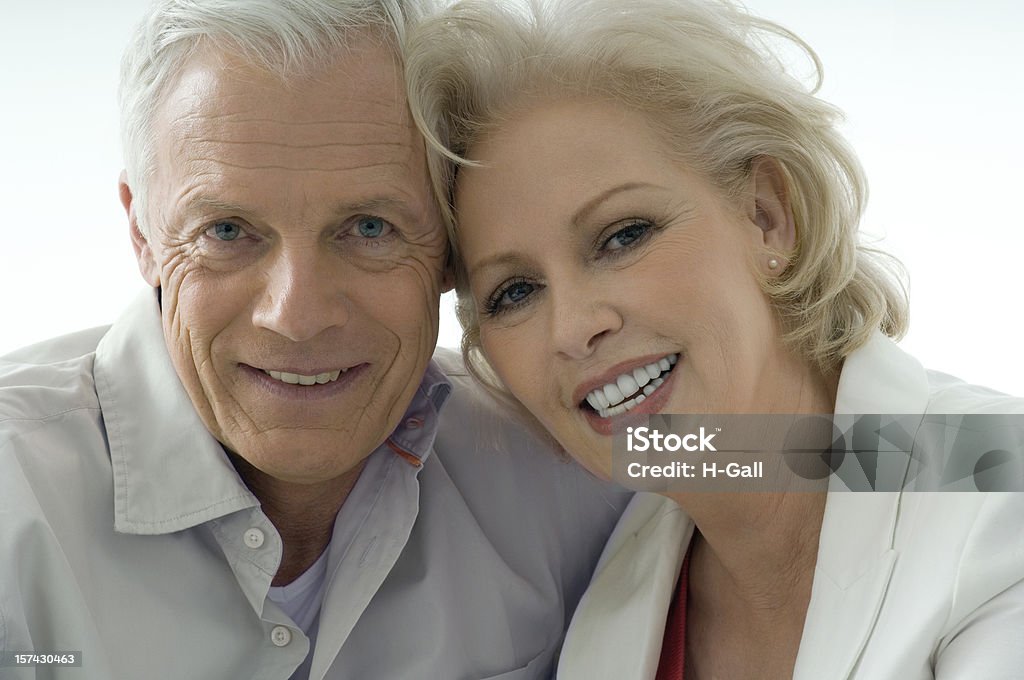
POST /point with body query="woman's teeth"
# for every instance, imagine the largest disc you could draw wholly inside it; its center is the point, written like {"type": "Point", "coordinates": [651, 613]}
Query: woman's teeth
{"type": "Point", "coordinates": [630, 389]}
{"type": "Point", "coordinates": [299, 379]}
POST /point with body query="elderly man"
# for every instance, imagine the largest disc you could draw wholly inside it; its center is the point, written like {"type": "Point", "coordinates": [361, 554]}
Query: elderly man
{"type": "Point", "coordinates": [258, 471]}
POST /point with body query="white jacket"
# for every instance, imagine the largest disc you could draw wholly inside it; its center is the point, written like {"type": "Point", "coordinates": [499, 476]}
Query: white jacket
{"type": "Point", "coordinates": [907, 586]}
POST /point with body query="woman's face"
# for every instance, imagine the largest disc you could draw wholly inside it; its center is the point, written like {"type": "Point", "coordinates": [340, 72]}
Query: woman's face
{"type": "Point", "coordinates": [603, 269]}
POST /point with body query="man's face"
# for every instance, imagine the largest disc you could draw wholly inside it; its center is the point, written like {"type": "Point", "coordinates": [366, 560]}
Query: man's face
{"type": "Point", "coordinates": [295, 240]}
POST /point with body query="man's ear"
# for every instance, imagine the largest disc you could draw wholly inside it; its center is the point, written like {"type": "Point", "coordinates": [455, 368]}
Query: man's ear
{"type": "Point", "coordinates": [448, 276]}
{"type": "Point", "coordinates": [140, 244]}
{"type": "Point", "coordinates": [769, 208]}
{"type": "Point", "coordinates": [448, 280]}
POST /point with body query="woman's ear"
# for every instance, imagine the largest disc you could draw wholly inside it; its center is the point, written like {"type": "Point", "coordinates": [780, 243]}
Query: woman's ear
{"type": "Point", "coordinates": [768, 207]}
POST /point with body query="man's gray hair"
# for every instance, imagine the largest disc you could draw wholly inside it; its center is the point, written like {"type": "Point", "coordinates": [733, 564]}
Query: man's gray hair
{"type": "Point", "coordinates": [286, 37]}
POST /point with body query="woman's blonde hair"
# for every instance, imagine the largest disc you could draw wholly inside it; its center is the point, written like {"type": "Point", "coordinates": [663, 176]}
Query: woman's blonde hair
{"type": "Point", "coordinates": [712, 79]}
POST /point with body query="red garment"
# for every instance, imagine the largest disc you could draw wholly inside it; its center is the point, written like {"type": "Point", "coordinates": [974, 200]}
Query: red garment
{"type": "Point", "coordinates": [673, 647]}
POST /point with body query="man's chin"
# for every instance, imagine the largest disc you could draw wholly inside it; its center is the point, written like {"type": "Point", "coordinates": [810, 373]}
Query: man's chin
{"type": "Point", "coordinates": [296, 459]}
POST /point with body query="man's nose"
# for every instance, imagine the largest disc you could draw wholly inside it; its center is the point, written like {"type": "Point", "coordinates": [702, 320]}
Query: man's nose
{"type": "Point", "coordinates": [580, 319]}
{"type": "Point", "coordinates": [302, 295]}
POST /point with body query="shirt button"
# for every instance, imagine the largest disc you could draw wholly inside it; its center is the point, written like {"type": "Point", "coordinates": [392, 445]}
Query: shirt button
{"type": "Point", "coordinates": [254, 539]}
{"type": "Point", "coordinates": [280, 636]}
{"type": "Point", "coordinates": [414, 423]}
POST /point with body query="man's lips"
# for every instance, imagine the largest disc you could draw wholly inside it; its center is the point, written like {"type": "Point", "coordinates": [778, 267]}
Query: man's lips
{"type": "Point", "coordinates": [304, 383]}
{"type": "Point", "coordinates": [296, 378]}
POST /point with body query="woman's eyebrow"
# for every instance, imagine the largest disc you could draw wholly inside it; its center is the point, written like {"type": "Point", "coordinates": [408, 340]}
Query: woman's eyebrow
{"type": "Point", "coordinates": [499, 259]}
{"type": "Point", "coordinates": [583, 213]}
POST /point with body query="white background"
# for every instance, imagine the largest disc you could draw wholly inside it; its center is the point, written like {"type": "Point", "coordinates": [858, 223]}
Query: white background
{"type": "Point", "coordinates": [932, 89]}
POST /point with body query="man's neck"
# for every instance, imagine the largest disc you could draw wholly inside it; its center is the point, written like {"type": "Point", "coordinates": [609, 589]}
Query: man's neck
{"type": "Point", "coordinates": [303, 514]}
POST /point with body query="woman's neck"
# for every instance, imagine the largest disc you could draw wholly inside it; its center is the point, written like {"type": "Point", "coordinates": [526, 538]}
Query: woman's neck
{"type": "Point", "coordinates": [755, 551]}
{"type": "Point", "coordinates": [756, 540]}
{"type": "Point", "coordinates": [750, 577]}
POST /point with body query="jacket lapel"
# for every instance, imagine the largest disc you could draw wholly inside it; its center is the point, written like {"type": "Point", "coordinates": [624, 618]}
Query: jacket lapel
{"type": "Point", "coordinates": [619, 633]}
{"type": "Point", "coordinates": [855, 555]}
{"type": "Point", "coordinates": [855, 564]}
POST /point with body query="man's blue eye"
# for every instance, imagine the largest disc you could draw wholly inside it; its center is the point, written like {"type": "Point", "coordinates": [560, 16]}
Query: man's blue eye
{"type": "Point", "coordinates": [227, 231]}
{"type": "Point", "coordinates": [372, 227]}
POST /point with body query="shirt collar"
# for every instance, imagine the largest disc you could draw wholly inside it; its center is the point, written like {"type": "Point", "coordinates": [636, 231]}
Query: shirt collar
{"type": "Point", "coordinates": [879, 377]}
{"type": "Point", "coordinates": [170, 473]}
{"type": "Point", "coordinates": [413, 439]}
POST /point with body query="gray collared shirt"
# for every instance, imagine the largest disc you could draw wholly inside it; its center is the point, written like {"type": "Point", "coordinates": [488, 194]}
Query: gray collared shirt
{"type": "Point", "coordinates": [125, 532]}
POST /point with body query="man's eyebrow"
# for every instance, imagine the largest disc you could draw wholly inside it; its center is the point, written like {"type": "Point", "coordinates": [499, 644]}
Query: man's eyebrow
{"type": "Point", "coordinates": [380, 204]}
{"type": "Point", "coordinates": [369, 206]}
{"type": "Point", "coordinates": [208, 203]}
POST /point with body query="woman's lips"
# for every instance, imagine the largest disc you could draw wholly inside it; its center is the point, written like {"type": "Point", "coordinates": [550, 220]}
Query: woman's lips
{"type": "Point", "coordinates": [651, 404]}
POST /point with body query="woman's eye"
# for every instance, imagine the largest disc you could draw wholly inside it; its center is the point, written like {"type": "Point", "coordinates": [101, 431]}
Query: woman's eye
{"type": "Point", "coordinates": [627, 236]}
{"type": "Point", "coordinates": [510, 296]}
{"type": "Point", "coordinates": [225, 231]}
{"type": "Point", "coordinates": [372, 227]}
{"type": "Point", "coordinates": [517, 292]}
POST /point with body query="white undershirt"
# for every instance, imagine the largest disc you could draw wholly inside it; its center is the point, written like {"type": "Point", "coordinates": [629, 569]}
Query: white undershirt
{"type": "Point", "coordinates": [301, 600]}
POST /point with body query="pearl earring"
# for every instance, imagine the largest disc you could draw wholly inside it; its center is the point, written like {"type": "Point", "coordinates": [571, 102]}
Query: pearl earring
{"type": "Point", "coordinates": [773, 264]}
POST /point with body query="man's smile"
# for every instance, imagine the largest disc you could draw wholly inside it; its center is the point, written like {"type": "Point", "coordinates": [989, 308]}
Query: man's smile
{"type": "Point", "coordinates": [300, 379]}
{"type": "Point", "coordinates": [319, 384]}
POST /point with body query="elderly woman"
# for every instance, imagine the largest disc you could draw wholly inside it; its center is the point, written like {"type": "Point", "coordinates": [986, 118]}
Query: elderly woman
{"type": "Point", "coordinates": [651, 216]}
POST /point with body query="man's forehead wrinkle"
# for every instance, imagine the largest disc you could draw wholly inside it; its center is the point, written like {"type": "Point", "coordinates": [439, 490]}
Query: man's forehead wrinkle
{"type": "Point", "coordinates": [191, 111]}
{"type": "Point", "coordinates": [290, 145]}
{"type": "Point", "coordinates": [298, 167]}
{"type": "Point", "coordinates": [236, 117]}
{"type": "Point", "coordinates": [341, 153]}
{"type": "Point", "coordinates": [194, 125]}
{"type": "Point", "coordinates": [245, 107]}
{"type": "Point", "coordinates": [342, 146]}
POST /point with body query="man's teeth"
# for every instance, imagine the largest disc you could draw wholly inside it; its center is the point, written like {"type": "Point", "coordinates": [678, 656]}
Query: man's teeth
{"type": "Point", "coordinates": [637, 385]}
{"type": "Point", "coordinates": [299, 379]}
